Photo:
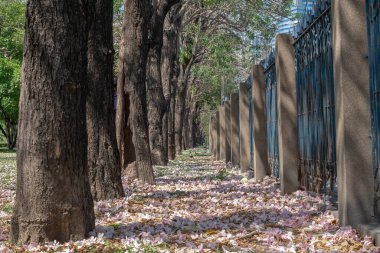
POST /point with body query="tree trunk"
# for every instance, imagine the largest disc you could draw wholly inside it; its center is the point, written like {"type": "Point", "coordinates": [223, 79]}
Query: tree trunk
{"type": "Point", "coordinates": [185, 132]}
{"type": "Point", "coordinates": [123, 125]}
{"type": "Point", "coordinates": [156, 100]}
{"type": "Point", "coordinates": [137, 17]}
{"type": "Point", "coordinates": [103, 155]}
{"type": "Point", "coordinates": [10, 129]}
{"type": "Point", "coordinates": [191, 132]}
{"type": "Point", "coordinates": [181, 92]}
{"type": "Point", "coordinates": [157, 107]}
{"type": "Point", "coordinates": [53, 198]}
{"type": "Point", "coordinates": [171, 126]}
{"type": "Point", "coordinates": [170, 72]}
{"type": "Point", "coordinates": [179, 113]}
{"type": "Point", "coordinates": [11, 135]}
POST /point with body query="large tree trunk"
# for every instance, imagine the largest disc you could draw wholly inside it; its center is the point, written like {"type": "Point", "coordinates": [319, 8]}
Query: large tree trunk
{"type": "Point", "coordinates": [156, 100]}
{"type": "Point", "coordinates": [137, 17]}
{"type": "Point", "coordinates": [170, 72]}
{"type": "Point", "coordinates": [157, 107]}
{"type": "Point", "coordinates": [103, 155]}
{"type": "Point", "coordinates": [53, 198]}
{"type": "Point", "coordinates": [123, 125]}
{"type": "Point", "coordinates": [179, 113]}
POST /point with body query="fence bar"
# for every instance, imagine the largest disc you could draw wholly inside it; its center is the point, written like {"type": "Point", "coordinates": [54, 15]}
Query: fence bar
{"type": "Point", "coordinates": [315, 101]}
{"type": "Point", "coordinates": [244, 129]}
{"type": "Point", "coordinates": [352, 95]}
{"type": "Point", "coordinates": [227, 108]}
{"type": "Point", "coordinates": [260, 160]}
{"type": "Point", "coordinates": [287, 113]}
{"type": "Point", "coordinates": [269, 65]}
{"type": "Point", "coordinates": [235, 142]}
{"type": "Point", "coordinates": [373, 21]}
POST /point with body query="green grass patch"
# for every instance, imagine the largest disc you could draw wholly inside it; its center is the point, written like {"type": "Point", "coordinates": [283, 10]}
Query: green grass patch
{"type": "Point", "coordinates": [139, 198]}
{"type": "Point", "coordinates": [4, 151]}
{"type": "Point", "coordinates": [8, 208]}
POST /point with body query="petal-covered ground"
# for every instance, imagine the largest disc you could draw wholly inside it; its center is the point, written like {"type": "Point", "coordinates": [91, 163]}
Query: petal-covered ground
{"type": "Point", "coordinates": [199, 205]}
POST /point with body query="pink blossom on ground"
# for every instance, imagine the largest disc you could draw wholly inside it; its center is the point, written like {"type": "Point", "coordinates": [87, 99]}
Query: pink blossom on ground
{"type": "Point", "coordinates": [199, 205]}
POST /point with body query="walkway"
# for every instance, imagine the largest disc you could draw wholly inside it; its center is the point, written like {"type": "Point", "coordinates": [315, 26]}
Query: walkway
{"type": "Point", "coordinates": [199, 206]}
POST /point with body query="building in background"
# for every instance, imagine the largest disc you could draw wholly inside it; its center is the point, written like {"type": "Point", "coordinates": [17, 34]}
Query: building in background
{"type": "Point", "coordinates": [287, 25]}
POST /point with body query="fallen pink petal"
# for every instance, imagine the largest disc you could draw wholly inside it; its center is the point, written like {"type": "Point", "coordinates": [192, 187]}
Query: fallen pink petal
{"type": "Point", "coordinates": [190, 209]}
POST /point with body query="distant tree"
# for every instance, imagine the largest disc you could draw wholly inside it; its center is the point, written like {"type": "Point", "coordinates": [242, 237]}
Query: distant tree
{"type": "Point", "coordinates": [11, 43]}
{"type": "Point", "coordinates": [220, 40]}
{"type": "Point", "coordinates": [9, 97]}
{"type": "Point", "coordinates": [169, 75]}
{"type": "Point", "coordinates": [53, 197]}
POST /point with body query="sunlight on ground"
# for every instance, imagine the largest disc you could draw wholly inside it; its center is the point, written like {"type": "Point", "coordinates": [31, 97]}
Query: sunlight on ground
{"type": "Point", "coordinates": [200, 206]}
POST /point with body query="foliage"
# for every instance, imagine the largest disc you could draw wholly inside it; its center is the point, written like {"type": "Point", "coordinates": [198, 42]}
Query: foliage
{"type": "Point", "coordinates": [12, 29]}
{"type": "Point", "coordinates": [231, 36]}
{"type": "Point", "coordinates": [117, 28]}
{"type": "Point", "coordinates": [9, 88]}
{"type": "Point", "coordinates": [11, 48]}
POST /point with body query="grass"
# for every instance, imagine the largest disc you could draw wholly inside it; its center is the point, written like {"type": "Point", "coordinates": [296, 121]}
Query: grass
{"type": "Point", "coordinates": [8, 208]}
{"type": "Point", "coordinates": [7, 167]}
{"type": "Point", "coordinates": [5, 153]}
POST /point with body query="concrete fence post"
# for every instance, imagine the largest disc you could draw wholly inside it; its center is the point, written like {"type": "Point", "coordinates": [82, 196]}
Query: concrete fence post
{"type": "Point", "coordinates": [244, 129]}
{"type": "Point", "coordinates": [287, 113]}
{"type": "Point", "coordinates": [217, 139]}
{"type": "Point", "coordinates": [210, 125]}
{"type": "Point", "coordinates": [227, 112]}
{"type": "Point", "coordinates": [352, 112]}
{"type": "Point", "coordinates": [214, 134]}
{"type": "Point", "coordinates": [235, 142]}
{"type": "Point", "coordinates": [260, 145]}
{"type": "Point", "coordinates": [222, 125]}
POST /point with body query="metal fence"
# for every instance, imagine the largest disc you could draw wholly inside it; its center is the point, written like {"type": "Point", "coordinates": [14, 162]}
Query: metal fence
{"type": "Point", "coordinates": [374, 64]}
{"type": "Point", "coordinates": [271, 113]}
{"type": "Point", "coordinates": [315, 100]}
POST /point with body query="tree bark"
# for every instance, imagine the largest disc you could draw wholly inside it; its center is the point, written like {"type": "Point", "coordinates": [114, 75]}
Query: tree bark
{"type": "Point", "coordinates": [156, 100]}
{"type": "Point", "coordinates": [171, 125]}
{"type": "Point", "coordinates": [170, 72]}
{"type": "Point", "coordinates": [137, 20]}
{"type": "Point", "coordinates": [123, 125]}
{"type": "Point", "coordinates": [179, 112]}
{"type": "Point", "coordinates": [53, 198]}
{"type": "Point", "coordinates": [103, 155]}
{"type": "Point", "coordinates": [181, 92]}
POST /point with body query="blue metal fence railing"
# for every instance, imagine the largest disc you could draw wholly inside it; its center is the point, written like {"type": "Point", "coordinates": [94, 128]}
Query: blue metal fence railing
{"type": "Point", "coordinates": [271, 113]}
{"type": "Point", "coordinates": [374, 66]}
{"type": "Point", "coordinates": [315, 100]}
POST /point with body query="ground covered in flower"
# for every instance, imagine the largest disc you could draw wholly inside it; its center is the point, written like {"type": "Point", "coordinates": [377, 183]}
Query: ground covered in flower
{"type": "Point", "coordinates": [199, 205]}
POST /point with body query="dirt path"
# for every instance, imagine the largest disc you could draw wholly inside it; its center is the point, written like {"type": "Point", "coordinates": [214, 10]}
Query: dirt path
{"type": "Point", "coordinates": [200, 206]}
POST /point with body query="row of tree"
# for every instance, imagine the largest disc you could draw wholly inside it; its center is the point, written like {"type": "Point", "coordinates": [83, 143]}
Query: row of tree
{"type": "Point", "coordinates": [175, 59]}
{"type": "Point", "coordinates": [11, 40]}
{"type": "Point", "coordinates": [187, 52]}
